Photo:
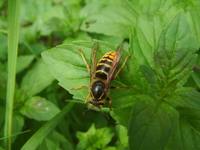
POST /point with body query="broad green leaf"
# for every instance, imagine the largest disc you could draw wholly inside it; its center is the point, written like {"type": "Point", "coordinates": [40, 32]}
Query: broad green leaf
{"type": "Point", "coordinates": [39, 108]}
{"type": "Point", "coordinates": [186, 137]}
{"type": "Point", "coordinates": [23, 62]}
{"type": "Point", "coordinates": [191, 9]}
{"type": "Point", "coordinates": [151, 124]}
{"type": "Point", "coordinates": [175, 57]}
{"type": "Point", "coordinates": [68, 67]}
{"type": "Point", "coordinates": [188, 105]}
{"type": "Point", "coordinates": [177, 35]}
{"type": "Point", "coordinates": [36, 79]}
{"type": "Point", "coordinates": [102, 137]}
{"type": "Point", "coordinates": [41, 134]}
{"type": "Point", "coordinates": [145, 36]}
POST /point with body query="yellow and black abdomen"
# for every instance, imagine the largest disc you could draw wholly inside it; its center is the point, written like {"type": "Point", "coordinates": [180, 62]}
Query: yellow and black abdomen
{"type": "Point", "coordinates": [104, 65]}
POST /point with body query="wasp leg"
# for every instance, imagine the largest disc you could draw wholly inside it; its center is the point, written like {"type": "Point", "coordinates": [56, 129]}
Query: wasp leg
{"type": "Point", "coordinates": [84, 60]}
{"type": "Point", "coordinates": [90, 69]}
{"type": "Point", "coordinates": [122, 66]}
{"type": "Point", "coordinates": [109, 102]}
{"type": "Point", "coordinates": [79, 87]}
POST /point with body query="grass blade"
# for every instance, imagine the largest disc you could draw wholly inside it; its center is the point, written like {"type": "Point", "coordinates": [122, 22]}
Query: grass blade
{"type": "Point", "coordinates": [13, 33]}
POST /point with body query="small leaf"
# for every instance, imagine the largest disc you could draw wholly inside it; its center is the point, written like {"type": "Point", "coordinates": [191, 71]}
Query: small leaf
{"type": "Point", "coordinates": [123, 135]}
{"type": "Point", "coordinates": [39, 109]}
{"type": "Point", "coordinates": [94, 138]}
{"type": "Point", "coordinates": [36, 79]}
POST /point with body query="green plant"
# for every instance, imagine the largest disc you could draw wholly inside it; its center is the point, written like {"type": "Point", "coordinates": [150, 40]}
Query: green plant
{"type": "Point", "coordinates": [156, 106]}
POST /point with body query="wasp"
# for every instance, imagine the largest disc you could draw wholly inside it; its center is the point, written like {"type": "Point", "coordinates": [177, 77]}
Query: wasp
{"type": "Point", "coordinates": [102, 72]}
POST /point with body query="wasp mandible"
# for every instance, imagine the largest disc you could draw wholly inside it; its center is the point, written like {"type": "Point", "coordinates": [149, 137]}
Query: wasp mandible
{"type": "Point", "coordinates": [101, 75]}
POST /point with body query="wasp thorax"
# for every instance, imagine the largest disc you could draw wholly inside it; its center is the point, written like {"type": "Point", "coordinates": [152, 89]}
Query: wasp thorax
{"type": "Point", "coordinates": [98, 89]}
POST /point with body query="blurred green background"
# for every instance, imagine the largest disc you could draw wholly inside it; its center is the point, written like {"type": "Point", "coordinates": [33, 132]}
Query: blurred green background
{"type": "Point", "coordinates": [157, 103]}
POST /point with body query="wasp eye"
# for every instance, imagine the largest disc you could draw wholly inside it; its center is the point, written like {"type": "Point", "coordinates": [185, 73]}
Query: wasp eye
{"type": "Point", "coordinates": [98, 89]}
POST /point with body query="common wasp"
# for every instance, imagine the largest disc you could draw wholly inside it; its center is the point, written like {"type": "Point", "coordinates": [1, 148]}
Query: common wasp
{"type": "Point", "coordinates": [102, 72]}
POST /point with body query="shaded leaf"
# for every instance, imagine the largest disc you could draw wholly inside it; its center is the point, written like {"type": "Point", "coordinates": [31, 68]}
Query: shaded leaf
{"type": "Point", "coordinates": [36, 79]}
{"type": "Point", "coordinates": [41, 134]}
{"type": "Point", "coordinates": [185, 138]}
{"type": "Point", "coordinates": [151, 124]}
{"type": "Point", "coordinates": [23, 62]}
{"type": "Point", "coordinates": [115, 19]}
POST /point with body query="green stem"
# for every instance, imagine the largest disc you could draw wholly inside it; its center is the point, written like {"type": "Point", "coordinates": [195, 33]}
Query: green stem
{"type": "Point", "coordinates": [13, 32]}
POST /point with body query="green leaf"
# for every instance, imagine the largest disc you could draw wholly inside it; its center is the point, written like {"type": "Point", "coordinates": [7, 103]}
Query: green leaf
{"type": "Point", "coordinates": [18, 124]}
{"type": "Point", "coordinates": [186, 137]}
{"type": "Point", "coordinates": [196, 72]}
{"type": "Point", "coordinates": [189, 98]}
{"type": "Point", "coordinates": [115, 19]}
{"type": "Point", "coordinates": [177, 35]}
{"type": "Point", "coordinates": [39, 108]}
{"type": "Point", "coordinates": [67, 66]}
{"type": "Point", "coordinates": [41, 134]}
{"type": "Point", "coordinates": [196, 78]}
{"type": "Point", "coordinates": [36, 79]}
{"type": "Point", "coordinates": [40, 17]}
{"type": "Point", "coordinates": [122, 135]}
{"type": "Point", "coordinates": [122, 102]}
{"type": "Point", "coordinates": [151, 124]}
{"type": "Point", "coordinates": [94, 138]}
{"type": "Point", "coordinates": [23, 62]}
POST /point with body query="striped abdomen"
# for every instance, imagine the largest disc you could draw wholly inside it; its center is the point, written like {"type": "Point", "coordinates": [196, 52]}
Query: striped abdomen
{"type": "Point", "coordinates": [104, 65]}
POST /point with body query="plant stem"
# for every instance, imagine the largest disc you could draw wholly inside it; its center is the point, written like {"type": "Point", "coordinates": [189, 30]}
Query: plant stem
{"type": "Point", "coordinates": [13, 32]}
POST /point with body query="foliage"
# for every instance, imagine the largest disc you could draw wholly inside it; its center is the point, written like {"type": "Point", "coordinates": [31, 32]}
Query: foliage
{"type": "Point", "coordinates": [155, 98]}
